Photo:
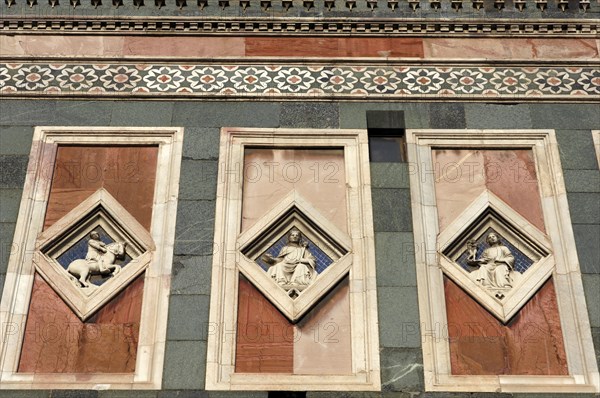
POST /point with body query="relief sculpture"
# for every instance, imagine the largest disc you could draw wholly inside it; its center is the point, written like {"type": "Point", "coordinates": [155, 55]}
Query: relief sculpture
{"type": "Point", "coordinates": [494, 267]}
{"type": "Point", "coordinates": [99, 260]}
{"type": "Point", "coordinates": [294, 268]}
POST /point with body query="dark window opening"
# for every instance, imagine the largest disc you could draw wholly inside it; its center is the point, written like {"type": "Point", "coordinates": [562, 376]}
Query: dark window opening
{"type": "Point", "coordinates": [287, 394]}
{"type": "Point", "coordinates": [387, 136]}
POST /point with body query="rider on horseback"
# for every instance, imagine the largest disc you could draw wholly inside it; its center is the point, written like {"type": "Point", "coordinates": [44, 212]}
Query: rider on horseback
{"type": "Point", "coordinates": [95, 250]}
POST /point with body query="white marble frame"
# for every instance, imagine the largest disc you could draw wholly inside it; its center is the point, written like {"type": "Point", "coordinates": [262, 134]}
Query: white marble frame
{"type": "Point", "coordinates": [596, 139]}
{"type": "Point", "coordinates": [220, 368]}
{"type": "Point", "coordinates": [19, 278]}
{"type": "Point", "coordinates": [581, 360]}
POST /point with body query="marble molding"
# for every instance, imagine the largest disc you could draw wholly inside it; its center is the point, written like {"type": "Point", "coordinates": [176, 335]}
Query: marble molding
{"type": "Point", "coordinates": [581, 362]}
{"type": "Point", "coordinates": [156, 284]}
{"type": "Point", "coordinates": [354, 247]}
{"type": "Point", "coordinates": [156, 25]}
{"type": "Point", "coordinates": [22, 46]}
{"type": "Point", "coordinates": [596, 139]}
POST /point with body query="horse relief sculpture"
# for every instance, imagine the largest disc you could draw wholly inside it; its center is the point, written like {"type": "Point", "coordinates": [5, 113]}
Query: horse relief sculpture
{"type": "Point", "coordinates": [99, 260]}
{"type": "Point", "coordinates": [294, 269]}
{"type": "Point", "coordinates": [495, 267]}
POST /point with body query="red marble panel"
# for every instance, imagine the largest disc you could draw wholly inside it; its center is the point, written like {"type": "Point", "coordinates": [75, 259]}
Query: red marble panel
{"type": "Point", "coordinates": [511, 175]}
{"type": "Point", "coordinates": [334, 47]}
{"type": "Point", "coordinates": [530, 344]}
{"type": "Point", "coordinates": [127, 172]}
{"type": "Point", "coordinates": [265, 338]}
{"type": "Point", "coordinates": [56, 341]}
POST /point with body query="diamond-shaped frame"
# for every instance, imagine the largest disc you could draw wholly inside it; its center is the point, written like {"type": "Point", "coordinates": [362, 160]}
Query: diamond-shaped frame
{"type": "Point", "coordinates": [489, 211]}
{"type": "Point", "coordinates": [100, 209]}
{"type": "Point", "coordinates": [294, 211]}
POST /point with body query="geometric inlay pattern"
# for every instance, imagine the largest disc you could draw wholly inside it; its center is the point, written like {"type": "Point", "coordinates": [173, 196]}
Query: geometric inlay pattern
{"type": "Point", "coordinates": [297, 80]}
{"type": "Point", "coordinates": [495, 255]}
{"type": "Point", "coordinates": [92, 253]}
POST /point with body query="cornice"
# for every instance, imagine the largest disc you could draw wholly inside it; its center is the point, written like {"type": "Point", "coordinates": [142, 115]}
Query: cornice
{"type": "Point", "coordinates": [330, 27]}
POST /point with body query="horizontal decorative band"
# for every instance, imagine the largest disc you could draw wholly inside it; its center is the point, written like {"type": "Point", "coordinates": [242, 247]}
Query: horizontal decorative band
{"type": "Point", "coordinates": [421, 27]}
{"type": "Point", "coordinates": [300, 81]}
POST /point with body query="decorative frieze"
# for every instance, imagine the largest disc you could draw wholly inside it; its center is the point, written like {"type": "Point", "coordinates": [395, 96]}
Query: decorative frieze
{"type": "Point", "coordinates": [265, 5]}
{"type": "Point", "coordinates": [293, 81]}
{"type": "Point", "coordinates": [422, 27]}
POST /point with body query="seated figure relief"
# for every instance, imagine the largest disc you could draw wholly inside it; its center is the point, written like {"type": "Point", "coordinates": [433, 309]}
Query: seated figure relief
{"type": "Point", "coordinates": [294, 268]}
{"type": "Point", "coordinates": [495, 267]}
{"type": "Point", "coordinates": [99, 260]}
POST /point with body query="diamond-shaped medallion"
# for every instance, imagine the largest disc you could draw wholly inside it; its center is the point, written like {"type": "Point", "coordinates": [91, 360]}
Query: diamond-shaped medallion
{"type": "Point", "coordinates": [294, 256]}
{"type": "Point", "coordinates": [496, 255]}
{"type": "Point", "coordinates": [92, 253]}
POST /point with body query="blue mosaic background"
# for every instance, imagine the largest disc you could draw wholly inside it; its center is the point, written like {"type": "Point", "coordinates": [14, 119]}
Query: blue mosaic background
{"type": "Point", "coordinates": [522, 262]}
{"type": "Point", "coordinates": [79, 251]}
{"type": "Point", "coordinates": [322, 260]}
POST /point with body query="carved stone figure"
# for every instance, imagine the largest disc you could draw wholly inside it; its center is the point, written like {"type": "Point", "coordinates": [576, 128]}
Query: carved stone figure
{"type": "Point", "coordinates": [295, 267]}
{"type": "Point", "coordinates": [99, 260]}
{"type": "Point", "coordinates": [495, 264]}
{"type": "Point", "coordinates": [96, 248]}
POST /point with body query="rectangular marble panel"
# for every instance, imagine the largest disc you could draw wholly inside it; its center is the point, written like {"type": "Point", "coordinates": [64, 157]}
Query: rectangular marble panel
{"type": "Point", "coordinates": [459, 180]}
{"type": "Point", "coordinates": [56, 341]}
{"type": "Point", "coordinates": [323, 343]}
{"type": "Point", "coordinates": [317, 174]}
{"type": "Point", "coordinates": [513, 48]}
{"type": "Point", "coordinates": [127, 172]}
{"type": "Point", "coordinates": [334, 47]}
{"type": "Point", "coordinates": [511, 175]}
{"type": "Point", "coordinates": [265, 338]}
{"type": "Point", "coordinates": [530, 344]}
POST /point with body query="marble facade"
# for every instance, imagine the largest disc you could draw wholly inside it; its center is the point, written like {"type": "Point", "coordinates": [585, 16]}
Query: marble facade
{"type": "Point", "coordinates": [151, 102]}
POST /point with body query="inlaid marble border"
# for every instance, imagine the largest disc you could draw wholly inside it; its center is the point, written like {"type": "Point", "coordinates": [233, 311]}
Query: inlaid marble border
{"type": "Point", "coordinates": [20, 275]}
{"type": "Point", "coordinates": [581, 360]}
{"type": "Point", "coordinates": [221, 346]}
{"type": "Point", "coordinates": [273, 80]}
